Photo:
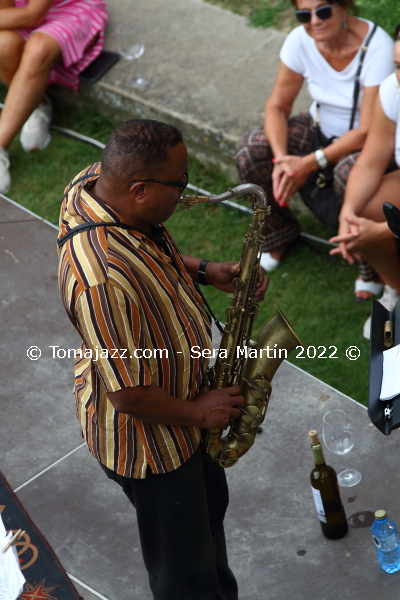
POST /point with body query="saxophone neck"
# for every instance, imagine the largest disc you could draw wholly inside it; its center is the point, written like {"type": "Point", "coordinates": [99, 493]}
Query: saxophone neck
{"type": "Point", "coordinates": [246, 189]}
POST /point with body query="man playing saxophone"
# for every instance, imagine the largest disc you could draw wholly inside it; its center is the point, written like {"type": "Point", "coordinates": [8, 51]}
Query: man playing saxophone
{"type": "Point", "coordinates": [131, 295]}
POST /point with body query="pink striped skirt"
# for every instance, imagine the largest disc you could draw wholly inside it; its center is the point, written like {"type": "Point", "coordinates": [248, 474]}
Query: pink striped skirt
{"type": "Point", "coordinates": [73, 24]}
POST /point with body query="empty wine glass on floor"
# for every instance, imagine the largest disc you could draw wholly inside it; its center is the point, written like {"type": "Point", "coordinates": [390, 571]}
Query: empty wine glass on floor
{"type": "Point", "coordinates": [338, 438]}
{"type": "Point", "coordinates": [130, 45]}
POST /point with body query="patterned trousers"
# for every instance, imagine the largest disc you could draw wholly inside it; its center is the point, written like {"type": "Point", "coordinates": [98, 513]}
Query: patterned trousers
{"type": "Point", "coordinates": [254, 162]}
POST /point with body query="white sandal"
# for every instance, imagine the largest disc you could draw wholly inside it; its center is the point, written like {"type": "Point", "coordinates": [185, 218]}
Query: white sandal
{"type": "Point", "coordinates": [366, 286]}
{"type": "Point", "coordinates": [389, 300]}
{"type": "Point", "coordinates": [367, 329]}
{"type": "Point", "coordinates": [267, 262]}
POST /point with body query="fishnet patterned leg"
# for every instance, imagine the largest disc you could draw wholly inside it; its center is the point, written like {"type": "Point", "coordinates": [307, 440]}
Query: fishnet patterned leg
{"type": "Point", "coordinates": [340, 177]}
{"type": "Point", "coordinates": [254, 163]}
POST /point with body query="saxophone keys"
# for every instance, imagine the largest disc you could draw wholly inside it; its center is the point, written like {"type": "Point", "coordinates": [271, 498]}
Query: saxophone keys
{"type": "Point", "coordinates": [252, 416]}
{"type": "Point", "coordinates": [245, 441]}
{"type": "Point", "coordinates": [238, 284]}
{"type": "Point", "coordinates": [260, 388]}
{"type": "Point", "coordinates": [228, 458]}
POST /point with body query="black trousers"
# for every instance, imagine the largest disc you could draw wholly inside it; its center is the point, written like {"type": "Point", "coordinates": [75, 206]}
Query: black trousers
{"type": "Point", "coordinates": [180, 517]}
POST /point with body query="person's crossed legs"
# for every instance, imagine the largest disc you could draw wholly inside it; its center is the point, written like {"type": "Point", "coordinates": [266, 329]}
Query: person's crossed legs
{"type": "Point", "coordinates": [25, 69]}
{"type": "Point", "coordinates": [383, 254]}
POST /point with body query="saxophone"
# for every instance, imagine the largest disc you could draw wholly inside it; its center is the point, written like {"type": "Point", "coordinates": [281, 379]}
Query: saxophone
{"type": "Point", "coordinates": [251, 365]}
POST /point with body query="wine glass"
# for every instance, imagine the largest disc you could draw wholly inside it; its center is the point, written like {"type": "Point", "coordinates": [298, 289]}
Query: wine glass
{"type": "Point", "coordinates": [131, 46]}
{"type": "Point", "coordinates": [338, 438]}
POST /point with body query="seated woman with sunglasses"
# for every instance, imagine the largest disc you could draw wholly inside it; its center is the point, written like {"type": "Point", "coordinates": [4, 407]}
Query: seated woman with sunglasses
{"type": "Point", "coordinates": [325, 51]}
{"type": "Point", "coordinates": [375, 179]}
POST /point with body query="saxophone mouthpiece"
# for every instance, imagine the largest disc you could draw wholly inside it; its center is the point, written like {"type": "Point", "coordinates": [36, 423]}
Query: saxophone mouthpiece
{"type": "Point", "coordinates": [190, 200]}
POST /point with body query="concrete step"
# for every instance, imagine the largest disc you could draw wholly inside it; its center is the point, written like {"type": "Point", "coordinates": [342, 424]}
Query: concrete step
{"type": "Point", "coordinates": [210, 74]}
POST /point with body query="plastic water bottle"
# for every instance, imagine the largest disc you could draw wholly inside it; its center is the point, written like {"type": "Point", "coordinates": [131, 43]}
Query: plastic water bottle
{"type": "Point", "coordinates": [386, 540]}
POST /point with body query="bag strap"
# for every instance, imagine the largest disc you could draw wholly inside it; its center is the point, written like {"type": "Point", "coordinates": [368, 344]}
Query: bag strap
{"type": "Point", "coordinates": [356, 92]}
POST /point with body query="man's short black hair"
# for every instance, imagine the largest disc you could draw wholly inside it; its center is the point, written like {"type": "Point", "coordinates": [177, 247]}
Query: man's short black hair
{"type": "Point", "coordinates": [137, 150]}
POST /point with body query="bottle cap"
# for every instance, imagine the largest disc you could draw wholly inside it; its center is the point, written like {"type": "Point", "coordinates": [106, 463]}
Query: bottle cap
{"type": "Point", "coordinates": [380, 515]}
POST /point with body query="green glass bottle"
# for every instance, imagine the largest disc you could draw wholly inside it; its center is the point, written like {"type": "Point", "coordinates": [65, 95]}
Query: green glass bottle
{"type": "Point", "coordinates": [326, 494]}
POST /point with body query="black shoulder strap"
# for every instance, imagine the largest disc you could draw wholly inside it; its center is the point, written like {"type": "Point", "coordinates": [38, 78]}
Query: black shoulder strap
{"type": "Point", "coordinates": [88, 227]}
{"type": "Point", "coordinates": [75, 182]}
{"type": "Point", "coordinates": [356, 92]}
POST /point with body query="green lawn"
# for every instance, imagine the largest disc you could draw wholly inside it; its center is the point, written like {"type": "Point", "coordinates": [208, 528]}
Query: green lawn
{"type": "Point", "coordinates": [315, 295]}
{"type": "Point", "coordinates": [279, 13]}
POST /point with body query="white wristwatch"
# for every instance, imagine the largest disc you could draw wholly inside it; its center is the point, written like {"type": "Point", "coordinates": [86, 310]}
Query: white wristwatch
{"type": "Point", "coordinates": [321, 159]}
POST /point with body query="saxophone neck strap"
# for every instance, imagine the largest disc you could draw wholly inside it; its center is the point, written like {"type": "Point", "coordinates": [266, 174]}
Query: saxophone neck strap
{"type": "Point", "coordinates": [209, 310]}
{"type": "Point", "coordinates": [89, 226]}
{"type": "Point", "coordinates": [73, 184]}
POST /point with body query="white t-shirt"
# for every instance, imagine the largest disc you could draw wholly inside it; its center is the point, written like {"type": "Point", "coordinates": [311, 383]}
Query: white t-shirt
{"type": "Point", "coordinates": [389, 95]}
{"type": "Point", "coordinates": [331, 89]}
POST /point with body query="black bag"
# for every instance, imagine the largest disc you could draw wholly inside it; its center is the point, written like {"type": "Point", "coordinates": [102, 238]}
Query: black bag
{"type": "Point", "coordinates": [317, 192]}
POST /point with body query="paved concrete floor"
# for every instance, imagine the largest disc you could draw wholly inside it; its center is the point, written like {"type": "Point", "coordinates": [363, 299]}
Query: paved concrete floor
{"type": "Point", "coordinates": [210, 73]}
{"type": "Point", "coordinates": [275, 545]}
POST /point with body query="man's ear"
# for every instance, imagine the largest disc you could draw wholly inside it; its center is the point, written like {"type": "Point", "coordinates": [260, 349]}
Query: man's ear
{"type": "Point", "coordinates": [138, 191]}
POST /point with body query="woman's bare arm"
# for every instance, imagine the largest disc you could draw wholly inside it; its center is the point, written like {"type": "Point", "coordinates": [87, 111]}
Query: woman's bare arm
{"type": "Point", "coordinates": [278, 108]}
{"type": "Point", "coordinates": [6, 3]}
{"type": "Point", "coordinates": [366, 175]}
{"type": "Point", "coordinates": [279, 105]}
{"type": "Point", "coordinates": [26, 16]}
{"type": "Point", "coordinates": [363, 183]}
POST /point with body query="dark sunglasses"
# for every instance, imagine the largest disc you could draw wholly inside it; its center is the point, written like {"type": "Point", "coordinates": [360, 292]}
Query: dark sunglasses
{"type": "Point", "coordinates": [323, 13]}
{"type": "Point", "coordinates": [179, 184]}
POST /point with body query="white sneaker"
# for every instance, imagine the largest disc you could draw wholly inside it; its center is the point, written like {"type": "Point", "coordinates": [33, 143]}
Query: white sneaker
{"type": "Point", "coordinates": [5, 178]}
{"type": "Point", "coordinates": [267, 262]}
{"type": "Point", "coordinates": [35, 134]}
{"type": "Point", "coordinates": [389, 299]}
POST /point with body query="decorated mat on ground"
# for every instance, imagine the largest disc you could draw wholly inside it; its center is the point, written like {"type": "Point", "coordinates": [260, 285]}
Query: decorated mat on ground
{"type": "Point", "coordinates": [45, 577]}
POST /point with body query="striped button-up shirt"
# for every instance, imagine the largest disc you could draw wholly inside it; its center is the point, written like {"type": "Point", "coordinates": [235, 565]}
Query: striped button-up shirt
{"type": "Point", "coordinates": [139, 320]}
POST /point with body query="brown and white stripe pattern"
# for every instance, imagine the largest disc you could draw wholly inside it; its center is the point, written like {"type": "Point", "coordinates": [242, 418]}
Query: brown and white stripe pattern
{"type": "Point", "coordinates": [121, 291]}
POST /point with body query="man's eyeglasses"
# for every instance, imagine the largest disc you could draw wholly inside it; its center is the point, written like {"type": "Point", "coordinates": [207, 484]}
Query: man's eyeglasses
{"type": "Point", "coordinates": [323, 13]}
{"type": "Point", "coordinates": [179, 184]}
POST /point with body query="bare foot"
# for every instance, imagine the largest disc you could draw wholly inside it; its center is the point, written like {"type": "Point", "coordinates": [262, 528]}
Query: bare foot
{"type": "Point", "coordinates": [278, 252]}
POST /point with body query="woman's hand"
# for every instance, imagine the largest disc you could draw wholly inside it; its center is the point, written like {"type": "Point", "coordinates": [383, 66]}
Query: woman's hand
{"type": "Point", "coordinates": [32, 14]}
{"type": "Point", "coordinates": [289, 174]}
{"type": "Point", "coordinates": [355, 234]}
{"type": "Point", "coordinates": [343, 231]}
